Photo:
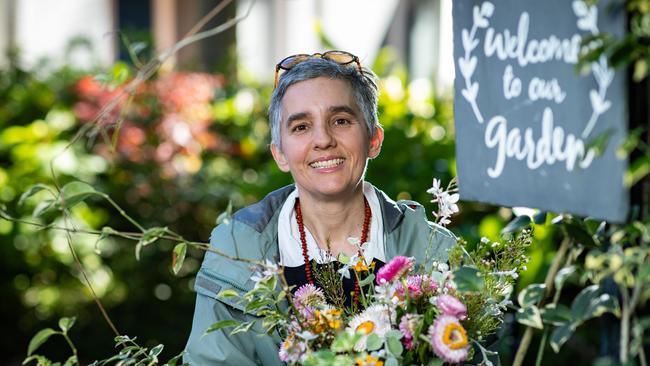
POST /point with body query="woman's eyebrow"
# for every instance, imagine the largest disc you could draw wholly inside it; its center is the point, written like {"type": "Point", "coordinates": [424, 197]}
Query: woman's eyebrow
{"type": "Point", "coordinates": [297, 116]}
{"type": "Point", "coordinates": [342, 108]}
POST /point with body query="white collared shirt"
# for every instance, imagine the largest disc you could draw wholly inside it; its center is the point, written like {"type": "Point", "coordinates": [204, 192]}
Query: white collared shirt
{"type": "Point", "coordinates": [289, 236]}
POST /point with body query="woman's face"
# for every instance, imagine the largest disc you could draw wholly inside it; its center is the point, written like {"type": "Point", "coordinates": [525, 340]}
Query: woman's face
{"type": "Point", "coordinates": [325, 143]}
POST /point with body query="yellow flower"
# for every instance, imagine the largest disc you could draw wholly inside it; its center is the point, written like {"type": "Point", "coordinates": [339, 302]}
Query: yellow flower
{"type": "Point", "coordinates": [369, 361]}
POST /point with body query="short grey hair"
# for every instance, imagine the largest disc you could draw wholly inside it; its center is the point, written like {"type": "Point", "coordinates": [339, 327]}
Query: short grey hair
{"type": "Point", "coordinates": [364, 89]}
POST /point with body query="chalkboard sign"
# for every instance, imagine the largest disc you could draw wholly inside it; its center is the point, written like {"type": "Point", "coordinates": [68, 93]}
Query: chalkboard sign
{"type": "Point", "coordinates": [528, 126]}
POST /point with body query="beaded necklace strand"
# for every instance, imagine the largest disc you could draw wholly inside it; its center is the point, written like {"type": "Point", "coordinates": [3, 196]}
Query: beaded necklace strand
{"type": "Point", "coordinates": [303, 241]}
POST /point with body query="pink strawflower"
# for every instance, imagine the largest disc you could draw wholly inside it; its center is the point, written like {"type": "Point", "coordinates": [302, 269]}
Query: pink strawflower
{"type": "Point", "coordinates": [396, 268]}
{"type": "Point", "coordinates": [292, 349]}
{"type": "Point", "coordinates": [417, 286]}
{"type": "Point", "coordinates": [448, 339]}
{"type": "Point", "coordinates": [307, 298]}
{"type": "Point", "coordinates": [452, 306]}
{"type": "Point", "coordinates": [408, 325]}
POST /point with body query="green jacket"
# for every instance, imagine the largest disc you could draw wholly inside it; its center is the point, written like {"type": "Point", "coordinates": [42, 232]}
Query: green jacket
{"type": "Point", "coordinates": [252, 233]}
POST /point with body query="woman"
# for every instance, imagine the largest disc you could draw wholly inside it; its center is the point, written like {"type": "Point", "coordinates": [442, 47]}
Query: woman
{"type": "Point", "coordinates": [324, 126]}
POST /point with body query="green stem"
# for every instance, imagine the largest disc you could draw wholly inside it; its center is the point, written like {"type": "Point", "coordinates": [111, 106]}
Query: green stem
{"type": "Point", "coordinates": [72, 347]}
{"type": "Point", "coordinates": [540, 350]}
{"type": "Point", "coordinates": [122, 212]}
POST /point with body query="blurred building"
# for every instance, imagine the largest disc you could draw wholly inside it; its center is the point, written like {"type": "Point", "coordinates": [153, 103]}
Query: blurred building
{"type": "Point", "coordinates": [83, 32]}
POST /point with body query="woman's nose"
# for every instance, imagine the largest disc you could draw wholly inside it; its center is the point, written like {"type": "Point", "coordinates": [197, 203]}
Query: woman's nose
{"type": "Point", "coordinates": [323, 137]}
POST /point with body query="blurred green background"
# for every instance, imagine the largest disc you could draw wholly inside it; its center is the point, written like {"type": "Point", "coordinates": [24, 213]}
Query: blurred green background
{"type": "Point", "coordinates": [188, 144]}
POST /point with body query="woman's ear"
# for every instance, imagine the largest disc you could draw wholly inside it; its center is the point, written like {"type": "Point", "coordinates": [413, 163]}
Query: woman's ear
{"type": "Point", "coordinates": [375, 142]}
{"type": "Point", "coordinates": [279, 158]}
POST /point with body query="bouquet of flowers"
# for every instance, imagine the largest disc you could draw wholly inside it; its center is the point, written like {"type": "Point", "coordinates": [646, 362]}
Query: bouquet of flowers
{"type": "Point", "coordinates": [426, 315]}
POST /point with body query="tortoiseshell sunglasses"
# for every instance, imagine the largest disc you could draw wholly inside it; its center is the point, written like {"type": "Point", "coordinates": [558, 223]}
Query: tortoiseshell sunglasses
{"type": "Point", "coordinates": [340, 57]}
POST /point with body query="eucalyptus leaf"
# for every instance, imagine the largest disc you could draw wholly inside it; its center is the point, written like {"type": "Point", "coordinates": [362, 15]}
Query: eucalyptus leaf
{"type": "Point", "coordinates": [39, 339]}
{"type": "Point", "coordinates": [531, 295]}
{"type": "Point", "coordinates": [373, 342]}
{"type": "Point", "coordinates": [394, 345]}
{"type": "Point", "coordinates": [519, 222]}
{"type": "Point", "coordinates": [243, 327]}
{"type": "Point", "coordinates": [468, 279]}
{"type": "Point", "coordinates": [391, 361]}
{"type": "Point", "coordinates": [530, 316]}
{"type": "Point", "coordinates": [178, 257]}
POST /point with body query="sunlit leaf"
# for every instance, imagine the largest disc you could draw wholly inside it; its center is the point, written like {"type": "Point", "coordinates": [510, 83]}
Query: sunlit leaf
{"type": "Point", "coordinates": [178, 257]}
{"type": "Point", "coordinates": [638, 169]}
{"type": "Point", "coordinates": [39, 339]}
{"type": "Point", "coordinates": [32, 191]}
{"type": "Point", "coordinates": [66, 323]}
{"type": "Point", "coordinates": [75, 192]}
{"type": "Point", "coordinates": [43, 207]}
{"type": "Point", "coordinates": [149, 236]}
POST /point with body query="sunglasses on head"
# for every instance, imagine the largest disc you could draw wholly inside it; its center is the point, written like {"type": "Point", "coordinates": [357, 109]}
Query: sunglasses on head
{"type": "Point", "coordinates": [340, 57]}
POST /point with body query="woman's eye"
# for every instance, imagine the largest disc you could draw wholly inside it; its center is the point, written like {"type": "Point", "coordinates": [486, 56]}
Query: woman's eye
{"type": "Point", "coordinates": [342, 121]}
{"type": "Point", "coordinates": [299, 127]}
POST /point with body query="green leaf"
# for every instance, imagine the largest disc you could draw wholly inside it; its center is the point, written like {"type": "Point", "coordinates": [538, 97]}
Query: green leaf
{"type": "Point", "coordinates": [394, 345]}
{"type": "Point", "coordinates": [556, 314]}
{"type": "Point", "coordinates": [243, 327]}
{"type": "Point", "coordinates": [72, 360]}
{"type": "Point", "coordinates": [562, 276]}
{"type": "Point", "coordinates": [540, 218]}
{"type": "Point", "coordinates": [42, 207]}
{"type": "Point", "coordinates": [227, 323]}
{"type": "Point", "coordinates": [468, 279]}
{"type": "Point", "coordinates": [530, 316]}
{"type": "Point", "coordinates": [638, 169]}
{"type": "Point", "coordinates": [605, 303]}
{"type": "Point", "coordinates": [154, 352]}
{"type": "Point", "coordinates": [32, 191]}
{"type": "Point", "coordinates": [582, 302]}
{"type": "Point", "coordinates": [531, 295]}
{"type": "Point", "coordinates": [373, 342]}
{"type": "Point", "coordinates": [344, 259]}
{"type": "Point", "coordinates": [39, 339]}
{"type": "Point", "coordinates": [519, 222]}
{"type": "Point", "coordinates": [344, 342]}
{"type": "Point", "coordinates": [178, 257]}
{"type": "Point", "coordinates": [368, 280]}
{"type": "Point", "coordinates": [391, 361]}
{"type": "Point", "coordinates": [228, 293]}
{"type": "Point", "coordinates": [579, 233]}
{"type": "Point", "coordinates": [174, 360]}
{"type": "Point", "coordinates": [255, 305]}
{"type": "Point", "coordinates": [66, 323]}
{"type": "Point", "coordinates": [224, 217]}
{"type": "Point", "coordinates": [149, 236]}
{"type": "Point", "coordinates": [75, 192]}
{"type": "Point", "coordinates": [560, 335]}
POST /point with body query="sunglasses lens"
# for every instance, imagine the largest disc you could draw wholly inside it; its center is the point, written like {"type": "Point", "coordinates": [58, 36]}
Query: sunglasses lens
{"type": "Point", "coordinates": [290, 62]}
{"type": "Point", "coordinates": [339, 57]}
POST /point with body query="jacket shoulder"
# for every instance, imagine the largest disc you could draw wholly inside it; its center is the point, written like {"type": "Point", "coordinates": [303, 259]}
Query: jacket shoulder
{"type": "Point", "coordinates": [258, 215]}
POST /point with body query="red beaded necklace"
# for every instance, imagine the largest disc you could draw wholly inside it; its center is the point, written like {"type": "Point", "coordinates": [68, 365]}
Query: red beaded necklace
{"type": "Point", "coordinates": [303, 241]}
